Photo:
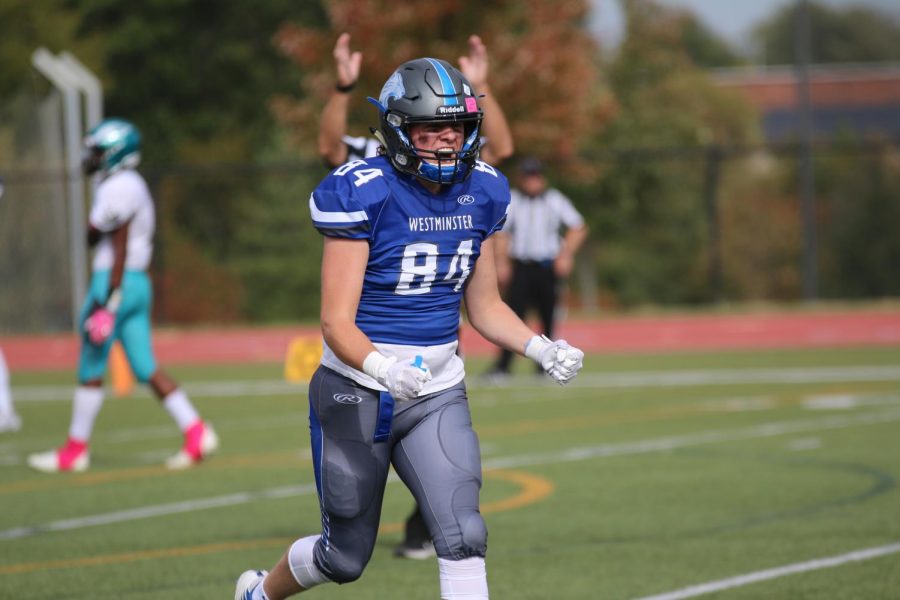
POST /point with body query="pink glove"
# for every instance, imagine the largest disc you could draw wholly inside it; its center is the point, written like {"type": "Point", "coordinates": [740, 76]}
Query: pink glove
{"type": "Point", "coordinates": [99, 326]}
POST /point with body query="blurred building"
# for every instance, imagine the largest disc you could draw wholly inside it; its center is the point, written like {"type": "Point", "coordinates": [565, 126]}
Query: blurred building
{"type": "Point", "coordinates": [862, 100]}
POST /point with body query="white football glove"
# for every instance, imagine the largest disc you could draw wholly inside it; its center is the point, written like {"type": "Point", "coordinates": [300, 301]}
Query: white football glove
{"type": "Point", "coordinates": [558, 359]}
{"type": "Point", "coordinates": [403, 380]}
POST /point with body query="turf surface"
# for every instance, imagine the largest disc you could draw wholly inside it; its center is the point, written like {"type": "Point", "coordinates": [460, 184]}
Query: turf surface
{"type": "Point", "coordinates": [650, 474]}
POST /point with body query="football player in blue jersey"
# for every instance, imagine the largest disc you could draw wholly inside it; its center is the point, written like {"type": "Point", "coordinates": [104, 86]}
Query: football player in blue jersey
{"type": "Point", "coordinates": [408, 236]}
{"type": "Point", "coordinates": [336, 148]}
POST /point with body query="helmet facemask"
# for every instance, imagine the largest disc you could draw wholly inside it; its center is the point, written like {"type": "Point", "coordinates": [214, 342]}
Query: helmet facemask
{"type": "Point", "coordinates": [92, 160]}
{"type": "Point", "coordinates": [429, 91]}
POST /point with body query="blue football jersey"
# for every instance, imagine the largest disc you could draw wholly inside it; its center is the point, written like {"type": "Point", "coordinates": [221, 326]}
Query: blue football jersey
{"type": "Point", "coordinates": [422, 246]}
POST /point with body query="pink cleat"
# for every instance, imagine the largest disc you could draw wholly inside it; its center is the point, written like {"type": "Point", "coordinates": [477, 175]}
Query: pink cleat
{"type": "Point", "coordinates": [74, 456]}
{"type": "Point", "coordinates": [200, 440]}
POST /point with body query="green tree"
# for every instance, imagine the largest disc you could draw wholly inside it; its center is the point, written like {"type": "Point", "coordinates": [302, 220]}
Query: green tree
{"type": "Point", "coordinates": [702, 45]}
{"type": "Point", "coordinates": [196, 77]}
{"type": "Point", "coordinates": [195, 74]}
{"type": "Point", "coordinates": [859, 214]}
{"type": "Point", "coordinates": [27, 26]}
{"type": "Point", "coordinates": [857, 34]}
{"type": "Point", "coordinates": [648, 206]}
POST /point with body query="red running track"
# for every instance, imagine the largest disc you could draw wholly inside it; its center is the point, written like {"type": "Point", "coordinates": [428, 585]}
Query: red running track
{"type": "Point", "coordinates": [621, 334]}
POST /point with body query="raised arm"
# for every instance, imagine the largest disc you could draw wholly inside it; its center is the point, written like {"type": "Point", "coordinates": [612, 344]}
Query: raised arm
{"type": "Point", "coordinates": [475, 67]}
{"type": "Point", "coordinates": [333, 121]}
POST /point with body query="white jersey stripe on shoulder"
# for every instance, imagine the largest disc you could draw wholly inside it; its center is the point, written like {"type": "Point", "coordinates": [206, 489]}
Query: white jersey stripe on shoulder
{"type": "Point", "coordinates": [321, 216]}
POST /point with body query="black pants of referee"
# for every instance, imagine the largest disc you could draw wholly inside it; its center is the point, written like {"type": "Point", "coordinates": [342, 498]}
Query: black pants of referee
{"type": "Point", "coordinates": [533, 285]}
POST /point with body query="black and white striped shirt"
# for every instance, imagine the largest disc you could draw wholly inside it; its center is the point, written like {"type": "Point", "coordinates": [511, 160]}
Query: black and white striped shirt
{"type": "Point", "coordinates": [534, 224]}
{"type": "Point", "coordinates": [360, 147]}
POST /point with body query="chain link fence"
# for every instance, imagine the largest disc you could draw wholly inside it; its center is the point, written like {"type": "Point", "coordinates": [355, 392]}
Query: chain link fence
{"type": "Point", "coordinates": [35, 274]}
{"type": "Point", "coordinates": [669, 226]}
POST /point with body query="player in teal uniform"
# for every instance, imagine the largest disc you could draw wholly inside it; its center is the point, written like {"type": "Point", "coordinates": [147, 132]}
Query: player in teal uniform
{"type": "Point", "coordinates": [121, 228]}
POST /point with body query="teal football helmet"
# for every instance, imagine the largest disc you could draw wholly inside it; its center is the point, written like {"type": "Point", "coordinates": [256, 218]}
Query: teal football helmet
{"type": "Point", "coordinates": [111, 145]}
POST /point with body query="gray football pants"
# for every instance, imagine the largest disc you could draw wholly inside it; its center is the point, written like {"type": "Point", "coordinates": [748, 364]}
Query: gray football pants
{"type": "Point", "coordinates": [357, 433]}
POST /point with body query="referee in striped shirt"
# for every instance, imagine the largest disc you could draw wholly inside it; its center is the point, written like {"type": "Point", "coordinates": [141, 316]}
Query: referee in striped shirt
{"type": "Point", "coordinates": [536, 249]}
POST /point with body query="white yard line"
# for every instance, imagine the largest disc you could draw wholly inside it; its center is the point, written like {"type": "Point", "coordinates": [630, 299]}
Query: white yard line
{"type": "Point", "coordinates": [200, 389]}
{"type": "Point", "coordinates": [756, 576]}
{"type": "Point", "coordinates": [635, 379]}
{"type": "Point", "coordinates": [568, 455]}
{"type": "Point", "coordinates": [713, 436]}
{"type": "Point", "coordinates": [157, 510]}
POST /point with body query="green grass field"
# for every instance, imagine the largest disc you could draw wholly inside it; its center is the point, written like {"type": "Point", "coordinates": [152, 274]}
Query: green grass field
{"type": "Point", "coordinates": [648, 475]}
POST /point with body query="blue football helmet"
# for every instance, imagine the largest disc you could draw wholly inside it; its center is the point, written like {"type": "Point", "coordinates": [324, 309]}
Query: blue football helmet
{"type": "Point", "coordinates": [111, 145]}
{"type": "Point", "coordinates": [428, 90]}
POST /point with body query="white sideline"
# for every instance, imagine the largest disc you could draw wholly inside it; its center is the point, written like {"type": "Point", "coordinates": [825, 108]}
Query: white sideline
{"type": "Point", "coordinates": [571, 454]}
{"type": "Point", "coordinates": [801, 567]}
{"type": "Point", "coordinates": [630, 379]}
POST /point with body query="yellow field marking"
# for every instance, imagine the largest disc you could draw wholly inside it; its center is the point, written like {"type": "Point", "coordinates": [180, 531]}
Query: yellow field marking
{"type": "Point", "coordinates": [531, 489]}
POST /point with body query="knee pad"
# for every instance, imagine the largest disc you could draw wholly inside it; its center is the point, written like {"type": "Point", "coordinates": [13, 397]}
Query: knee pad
{"type": "Point", "coordinates": [474, 534]}
{"type": "Point", "coordinates": [342, 568]}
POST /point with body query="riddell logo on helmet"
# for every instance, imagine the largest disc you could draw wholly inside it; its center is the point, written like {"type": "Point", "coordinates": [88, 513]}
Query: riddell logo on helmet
{"type": "Point", "coordinates": [450, 110]}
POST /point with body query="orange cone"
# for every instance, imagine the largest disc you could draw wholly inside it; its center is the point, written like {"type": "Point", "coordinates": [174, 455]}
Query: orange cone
{"type": "Point", "coordinates": [120, 371]}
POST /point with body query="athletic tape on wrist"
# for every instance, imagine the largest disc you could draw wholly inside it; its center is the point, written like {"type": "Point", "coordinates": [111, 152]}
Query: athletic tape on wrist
{"type": "Point", "coordinates": [376, 365]}
{"type": "Point", "coordinates": [534, 347]}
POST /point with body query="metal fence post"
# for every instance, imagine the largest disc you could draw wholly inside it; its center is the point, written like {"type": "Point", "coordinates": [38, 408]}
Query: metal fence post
{"type": "Point", "coordinates": [67, 84]}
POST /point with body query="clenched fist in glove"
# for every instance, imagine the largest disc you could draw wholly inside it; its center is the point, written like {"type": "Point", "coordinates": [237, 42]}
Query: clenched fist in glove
{"type": "Point", "coordinates": [560, 360]}
{"type": "Point", "coordinates": [403, 380]}
{"type": "Point", "coordinates": [99, 325]}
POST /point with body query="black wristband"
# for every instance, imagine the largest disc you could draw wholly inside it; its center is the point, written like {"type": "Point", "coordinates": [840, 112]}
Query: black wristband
{"type": "Point", "coordinates": [344, 89]}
